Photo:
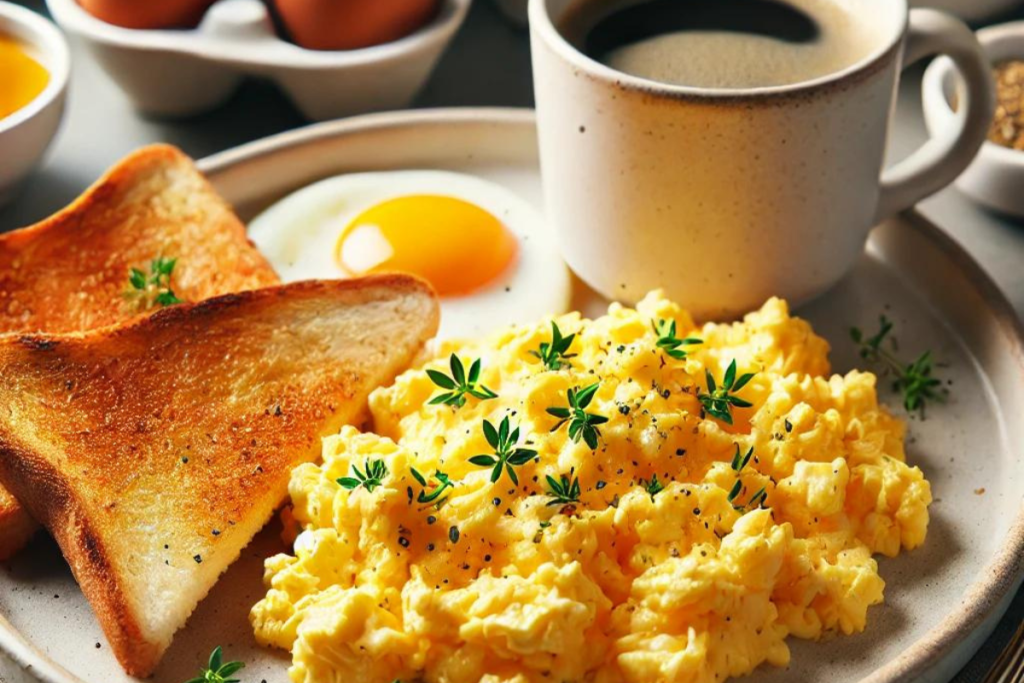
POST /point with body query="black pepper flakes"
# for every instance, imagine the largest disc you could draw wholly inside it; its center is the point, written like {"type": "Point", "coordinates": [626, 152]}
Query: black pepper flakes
{"type": "Point", "coordinates": [431, 519]}
{"type": "Point", "coordinates": [601, 485]}
{"type": "Point", "coordinates": [789, 426]}
{"type": "Point", "coordinates": [453, 534]}
{"type": "Point", "coordinates": [403, 541]}
{"type": "Point", "coordinates": [198, 559]}
{"type": "Point", "coordinates": [496, 502]}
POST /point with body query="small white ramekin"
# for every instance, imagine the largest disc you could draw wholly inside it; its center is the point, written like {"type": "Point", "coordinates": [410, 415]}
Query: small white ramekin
{"type": "Point", "coordinates": [26, 134]}
{"type": "Point", "coordinates": [996, 176]}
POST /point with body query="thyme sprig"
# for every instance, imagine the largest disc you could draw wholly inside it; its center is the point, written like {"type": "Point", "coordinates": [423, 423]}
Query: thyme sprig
{"type": "Point", "coordinates": [506, 456]}
{"type": "Point", "coordinates": [218, 671]}
{"type": "Point", "coordinates": [914, 380]}
{"type": "Point", "coordinates": [756, 500]}
{"type": "Point", "coordinates": [372, 478]}
{"type": "Point", "coordinates": [718, 402]}
{"type": "Point", "coordinates": [653, 487]}
{"type": "Point", "coordinates": [155, 288]}
{"type": "Point", "coordinates": [459, 385]}
{"type": "Point", "coordinates": [739, 461]}
{"type": "Point", "coordinates": [443, 483]}
{"type": "Point", "coordinates": [554, 354]}
{"type": "Point", "coordinates": [669, 342]}
{"type": "Point", "coordinates": [581, 423]}
{"type": "Point", "coordinates": [563, 491]}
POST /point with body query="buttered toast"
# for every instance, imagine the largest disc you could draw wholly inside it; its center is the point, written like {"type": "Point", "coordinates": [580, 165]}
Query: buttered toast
{"type": "Point", "coordinates": [155, 450]}
{"type": "Point", "coordinates": [71, 272]}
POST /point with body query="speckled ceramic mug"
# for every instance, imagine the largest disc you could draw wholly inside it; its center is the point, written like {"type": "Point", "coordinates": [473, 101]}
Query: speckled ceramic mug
{"type": "Point", "coordinates": [725, 197]}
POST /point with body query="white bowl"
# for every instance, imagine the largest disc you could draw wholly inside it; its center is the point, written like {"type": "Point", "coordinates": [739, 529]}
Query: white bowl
{"type": "Point", "coordinates": [996, 175]}
{"type": "Point", "coordinates": [175, 73]}
{"type": "Point", "coordinates": [25, 134]}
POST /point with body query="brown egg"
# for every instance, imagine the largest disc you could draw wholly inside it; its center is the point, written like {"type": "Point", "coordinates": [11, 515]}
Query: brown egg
{"type": "Point", "coordinates": [148, 13]}
{"type": "Point", "coordinates": [350, 24]}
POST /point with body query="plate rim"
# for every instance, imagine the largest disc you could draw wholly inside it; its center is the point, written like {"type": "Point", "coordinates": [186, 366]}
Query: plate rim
{"type": "Point", "coordinates": [986, 597]}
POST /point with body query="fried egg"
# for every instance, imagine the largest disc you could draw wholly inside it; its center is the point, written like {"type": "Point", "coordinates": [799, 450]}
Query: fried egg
{"type": "Point", "coordinates": [489, 254]}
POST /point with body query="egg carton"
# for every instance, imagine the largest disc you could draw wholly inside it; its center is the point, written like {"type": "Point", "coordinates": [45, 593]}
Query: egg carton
{"type": "Point", "coordinates": [179, 73]}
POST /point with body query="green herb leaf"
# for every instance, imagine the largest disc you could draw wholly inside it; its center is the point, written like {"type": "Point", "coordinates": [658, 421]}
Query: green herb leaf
{"type": "Point", "coordinates": [757, 500]}
{"type": "Point", "coordinates": [435, 495]}
{"type": "Point", "coordinates": [669, 343]}
{"type": "Point", "coordinates": [217, 671]}
{"type": "Point", "coordinates": [506, 456]}
{"type": "Point", "coordinates": [376, 470]}
{"type": "Point", "coordinates": [563, 491]}
{"type": "Point", "coordinates": [653, 487]}
{"type": "Point", "coordinates": [154, 289]}
{"type": "Point", "coordinates": [458, 386]}
{"type": "Point", "coordinates": [914, 381]}
{"type": "Point", "coordinates": [554, 354]}
{"type": "Point", "coordinates": [738, 461]}
{"type": "Point", "coordinates": [137, 279]}
{"type": "Point", "coordinates": [719, 400]}
{"type": "Point", "coordinates": [736, 488]}
{"type": "Point", "coordinates": [582, 425]}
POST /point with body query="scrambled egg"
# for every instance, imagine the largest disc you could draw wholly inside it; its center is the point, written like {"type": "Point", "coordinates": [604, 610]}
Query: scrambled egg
{"type": "Point", "coordinates": [681, 561]}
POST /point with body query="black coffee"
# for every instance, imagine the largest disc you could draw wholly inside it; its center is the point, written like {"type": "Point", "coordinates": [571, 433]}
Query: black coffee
{"type": "Point", "coordinates": [725, 43]}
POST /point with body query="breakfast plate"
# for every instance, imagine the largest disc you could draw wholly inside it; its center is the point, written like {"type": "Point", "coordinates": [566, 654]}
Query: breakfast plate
{"type": "Point", "coordinates": [941, 600]}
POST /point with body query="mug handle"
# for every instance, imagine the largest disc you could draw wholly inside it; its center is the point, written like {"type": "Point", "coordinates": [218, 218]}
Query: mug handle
{"type": "Point", "coordinates": [945, 156]}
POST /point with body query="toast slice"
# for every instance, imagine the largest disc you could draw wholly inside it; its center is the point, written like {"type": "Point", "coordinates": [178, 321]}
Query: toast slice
{"type": "Point", "coordinates": [154, 451]}
{"type": "Point", "coordinates": [70, 272]}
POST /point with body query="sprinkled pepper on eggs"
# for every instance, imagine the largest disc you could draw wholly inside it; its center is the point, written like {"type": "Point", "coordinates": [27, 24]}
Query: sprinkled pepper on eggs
{"type": "Point", "coordinates": [604, 562]}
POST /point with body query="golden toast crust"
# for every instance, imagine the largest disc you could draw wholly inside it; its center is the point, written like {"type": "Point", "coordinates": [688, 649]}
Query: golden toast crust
{"type": "Point", "coordinates": [69, 272]}
{"type": "Point", "coordinates": [153, 451]}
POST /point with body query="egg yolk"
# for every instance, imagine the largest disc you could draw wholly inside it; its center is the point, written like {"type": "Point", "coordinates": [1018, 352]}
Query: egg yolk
{"type": "Point", "coordinates": [21, 77]}
{"type": "Point", "coordinates": [455, 246]}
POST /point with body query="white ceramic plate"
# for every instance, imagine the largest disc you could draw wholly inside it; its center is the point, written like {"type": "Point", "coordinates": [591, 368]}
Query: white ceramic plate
{"type": "Point", "coordinates": [941, 601]}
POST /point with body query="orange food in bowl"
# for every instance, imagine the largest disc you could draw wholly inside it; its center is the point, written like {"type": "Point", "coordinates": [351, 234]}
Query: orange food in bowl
{"type": "Point", "coordinates": [351, 24]}
{"type": "Point", "coordinates": [148, 14]}
{"type": "Point", "coordinates": [22, 78]}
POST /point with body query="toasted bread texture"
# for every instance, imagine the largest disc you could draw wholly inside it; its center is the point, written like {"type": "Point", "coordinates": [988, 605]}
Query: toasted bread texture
{"type": "Point", "coordinates": [16, 525]}
{"type": "Point", "coordinates": [70, 272]}
{"type": "Point", "coordinates": [155, 450]}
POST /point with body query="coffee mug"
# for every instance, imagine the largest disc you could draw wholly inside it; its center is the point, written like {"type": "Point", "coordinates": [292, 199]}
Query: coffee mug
{"type": "Point", "coordinates": [725, 197]}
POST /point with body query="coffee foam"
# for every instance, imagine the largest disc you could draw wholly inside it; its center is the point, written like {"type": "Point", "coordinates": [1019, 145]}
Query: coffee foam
{"type": "Point", "coordinates": [732, 60]}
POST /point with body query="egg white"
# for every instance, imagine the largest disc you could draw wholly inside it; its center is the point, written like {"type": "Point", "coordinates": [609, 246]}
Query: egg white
{"type": "Point", "coordinates": [299, 234]}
